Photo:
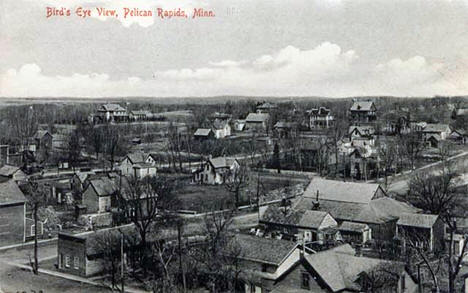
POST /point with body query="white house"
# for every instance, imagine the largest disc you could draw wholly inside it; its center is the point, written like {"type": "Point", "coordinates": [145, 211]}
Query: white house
{"type": "Point", "coordinates": [113, 112]}
{"type": "Point", "coordinates": [221, 128]}
{"type": "Point", "coordinates": [216, 171]}
{"type": "Point", "coordinates": [441, 131]}
{"type": "Point", "coordinates": [139, 165]}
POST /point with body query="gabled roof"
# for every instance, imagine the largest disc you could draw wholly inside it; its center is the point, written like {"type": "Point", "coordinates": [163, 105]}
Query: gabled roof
{"type": "Point", "coordinates": [352, 192]}
{"type": "Point", "coordinates": [300, 218]}
{"type": "Point", "coordinates": [263, 250]}
{"type": "Point", "coordinates": [137, 157]}
{"type": "Point", "coordinates": [322, 111]}
{"type": "Point", "coordinates": [104, 186]}
{"type": "Point", "coordinates": [202, 132]}
{"type": "Point", "coordinates": [363, 130]}
{"type": "Point", "coordinates": [417, 220]}
{"type": "Point", "coordinates": [41, 133]}
{"type": "Point", "coordinates": [339, 268]}
{"type": "Point", "coordinates": [436, 128]}
{"type": "Point", "coordinates": [221, 162]}
{"type": "Point", "coordinates": [8, 170]}
{"type": "Point", "coordinates": [10, 193]}
{"type": "Point", "coordinates": [112, 107]}
{"type": "Point", "coordinates": [377, 211]}
{"type": "Point", "coordinates": [257, 117]}
{"type": "Point", "coordinates": [362, 106]}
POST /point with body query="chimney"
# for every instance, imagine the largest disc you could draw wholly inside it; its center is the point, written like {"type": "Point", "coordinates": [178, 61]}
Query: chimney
{"type": "Point", "coordinates": [317, 203]}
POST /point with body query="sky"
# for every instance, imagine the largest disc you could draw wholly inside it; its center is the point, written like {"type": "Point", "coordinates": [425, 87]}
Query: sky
{"type": "Point", "coordinates": [331, 48]}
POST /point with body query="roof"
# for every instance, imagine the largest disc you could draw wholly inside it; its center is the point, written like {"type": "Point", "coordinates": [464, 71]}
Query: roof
{"type": "Point", "coordinates": [339, 268]}
{"type": "Point", "coordinates": [322, 111]}
{"type": "Point", "coordinates": [436, 128]}
{"type": "Point", "coordinates": [202, 132]}
{"type": "Point", "coordinates": [140, 112]}
{"type": "Point", "coordinates": [362, 129]}
{"type": "Point", "coordinates": [362, 106]}
{"type": "Point", "coordinates": [263, 250]}
{"type": "Point", "coordinates": [219, 123]}
{"type": "Point", "coordinates": [461, 112]}
{"type": "Point", "coordinates": [112, 107]}
{"type": "Point", "coordinates": [257, 117]}
{"type": "Point", "coordinates": [301, 218]}
{"type": "Point", "coordinates": [222, 162]}
{"type": "Point", "coordinates": [282, 124]}
{"type": "Point", "coordinates": [10, 193]}
{"type": "Point", "coordinates": [353, 192]}
{"type": "Point", "coordinates": [377, 211]}
{"type": "Point", "coordinates": [103, 186]}
{"type": "Point", "coordinates": [353, 227]}
{"type": "Point", "coordinates": [417, 220]}
{"type": "Point", "coordinates": [40, 134]}
{"type": "Point", "coordinates": [8, 170]}
{"type": "Point", "coordinates": [137, 157]}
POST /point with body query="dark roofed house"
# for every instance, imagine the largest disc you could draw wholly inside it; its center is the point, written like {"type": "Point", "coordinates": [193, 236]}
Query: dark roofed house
{"type": "Point", "coordinates": [99, 194]}
{"type": "Point", "coordinates": [308, 225]}
{"type": "Point", "coordinates": [113, 112]}
{"type": "Point", "coordinates": [11, 172]}
{"type": "Point", "coordinates": [257, 121]}
{"type": "Point", "coordinates": [320, 118]}
{"type": "Point", "coordinates": [12, 214]}
{"type": "Point", "coordinates": [204, 134]}
{"type": "Point", "coordinates": [138, 165]}
{"type": "Point", "coordinates": [425, 229]}
{"type": "Point", "coordinates": [459, 136]}
{"type": "Point", "coordinates": [441, 130]}
{"type": "Point", "coordinates": [363, 111]}
{"type": "Point", "coordinates": [266, 107]}
{"type": "Point", "coordinates": [286, 129]}
{"type": "Point", "coordinates": [43, 140]}
{"type": "Point", "coordinates": [355, 202]}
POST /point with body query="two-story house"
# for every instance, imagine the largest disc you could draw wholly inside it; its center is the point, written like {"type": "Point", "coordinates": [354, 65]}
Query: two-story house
{"type": "Point", "coordinates": [320, 118]}
{"type": "Point", "coordinates": [113, 113]}
{"type": "Point", "coordinates": [138, 165]}
{"type": "Point", "coordinates": [363, 111]}
{"type": "Point", "coordinates": [216, 171]}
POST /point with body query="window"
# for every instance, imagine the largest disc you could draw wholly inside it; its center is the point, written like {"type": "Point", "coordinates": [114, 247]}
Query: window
{"type": "Point", "coordinates": [305, 280]}
{"type": "Point", "coordinates": [403, 283]}
{"type": "Point", "coordinates": [264, 267]}
{"type": "Point", "coordinates": [67, 261]}
{"type": "Point", "coordinates": [33, 228]}
{"type": "Point", "coordinates": [76, 262]}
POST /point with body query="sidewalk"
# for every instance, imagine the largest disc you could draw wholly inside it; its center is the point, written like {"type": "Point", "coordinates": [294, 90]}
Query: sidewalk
{"type": "Point", "coordinates": [29, 244]}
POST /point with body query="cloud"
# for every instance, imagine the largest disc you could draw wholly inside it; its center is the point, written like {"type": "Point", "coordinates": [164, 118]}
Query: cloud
{"type": "Point", "coordinates": [325, 70]}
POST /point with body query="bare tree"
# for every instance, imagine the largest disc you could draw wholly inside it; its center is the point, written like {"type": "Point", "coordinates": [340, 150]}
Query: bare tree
{"type": "Point", "coordinates": [107, 244]}
{"type": "Point", "coordinates": [382, 278]}
{"type": "Point", "coordinates": [412, 146]}
{"type": "Point", "coordinates": [236, 180]}
{"type": "Point", "coordinates": [37, 197]}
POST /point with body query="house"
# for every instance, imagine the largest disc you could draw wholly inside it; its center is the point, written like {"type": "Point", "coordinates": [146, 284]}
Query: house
{"type": "Point", "coordinates": [263, 260]}
{"type": "Point", "coordinates": [216, 171]}
{"type": "Point", "coordinates": [306, 225]}
{"type": "Point", "coordinates": [285, 129]}
{"type": "Point", "coordinates": [12, 213]}
{"type": "Point", "coordinates": [266, 108]}
{"type": "Point", "coordinates": [363, 203]}
{"type": "Point", "coordinates": [363, 111]}
{"type": "Point", "coordinates": [320, 118]}
{"type": "Point", "coordinates": [204, 134]}
{"type": "Point", "coordinates": [239, 125]}
{"type": "Point", "coordinates": [361, 132]}
{"type": "Point", "coordinates": [355, 232]}
{"type": "Point", "coordinates": [221, 128]}
{"type": "Point", "coordinates": [139, 115]}
{"type": "Point", "coordinates": [8, 172]}
{"type": "Point", "coordinates": [440, 131]}
{"type": "Point", "coordinates": [363, 160]}
{"type": "Point", "coordinates": [137, 165]}
{"type": "Point", "coordinates": [459, 136]}
{"type": "Point", "coordinates": [113, 113]}
{"type": "Point", "coordinates": [99, 194]}
{"type": "Point", "coordinates": [43, 140]}
{"type": "Point", "coordinates": [81, 254]}
{"type": "Point", "coordinates": [340, 270]}
{"type": "Point", "coordinates": [423, 229]}
{"type": "Point", "coordinates": [257, 121]}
